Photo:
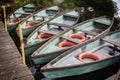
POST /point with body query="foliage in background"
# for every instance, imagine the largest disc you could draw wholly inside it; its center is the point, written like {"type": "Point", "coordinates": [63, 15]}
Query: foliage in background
{"type": "Point", "coordinates": [103, 7]}
{"type": "Point", "coordinates": [18, 3]}
{"type": "Point", "coordinates": [67, 4]}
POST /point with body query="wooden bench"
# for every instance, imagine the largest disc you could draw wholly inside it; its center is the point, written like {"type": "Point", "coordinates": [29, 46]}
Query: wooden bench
{"type": "Point", "coordinates": [35, 21]}
{"type": "Point", "coordinates": [70, 15]}
{"type": "Point", "coordinates": [17, 18]}
{"type": "Point", "coordinates": [51, 10]}
{"type": "Point", "coordinates": [73, 40]}
{"type": "Point", "coordinates": [101, 22]}
{"type": "Point", "coordinates": [90, 32]}
{"type": "Point", "coordinates": [40, 16]}
{"type": "Point", "coordinates": [58, 24]}
{"type": "Point", "coordinates": [22, 13]}
{"type": "Point", "coordinates": [46, 31]}
{"type": "Point", "coordinates": [112, 42]}
{"type": "Point", "coordinates": [25, 7]}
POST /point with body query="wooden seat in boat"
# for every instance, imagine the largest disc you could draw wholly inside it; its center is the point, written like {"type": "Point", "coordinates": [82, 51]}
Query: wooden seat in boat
{"type": "Point", "coordinates": [36, 21]}
{"type": "Point", "coordinates": [25, 7]}
{"type": "Point", "coordinates": [97, 30]}
{"type": "Point", "coordinates": [58, 24]}
{"type": "Point", "coordinates": [101, 22]}
{"type": "Point", "coordinates": [90, 32]}
{"type": "Point", "coordinates": [40, 16]}
{"type": "Point", "coordinates": [46, 31]}
{"type": "Point", "coordinates": [72, 40]}
{"type": "Point", "coordinates": [51, 9]}
{"type": "Point", "coordinates": [71, 15]}
{"type": "Point", "coordinates": [112, 42]}
{"type": "Point", "coordinates": [22, 13]}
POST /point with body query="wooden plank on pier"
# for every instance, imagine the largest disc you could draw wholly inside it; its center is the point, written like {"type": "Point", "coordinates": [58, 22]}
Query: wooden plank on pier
{"type": "Point", "coordinates": [11, 66]}
{"type": "Point", "coordinates": [117, 75]}
{"type": "Point", "coordinates": [15, 74]}
{"type": "Point", "coordinates": [26, 78]}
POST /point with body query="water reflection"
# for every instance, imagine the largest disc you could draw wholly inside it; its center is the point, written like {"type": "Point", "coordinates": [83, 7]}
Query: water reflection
{"type": "Point", "coordinates": [117, 7]}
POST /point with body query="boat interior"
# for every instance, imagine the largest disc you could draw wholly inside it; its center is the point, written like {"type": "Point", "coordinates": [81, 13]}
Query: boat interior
{"type": "Point", "coordinates": [64, 22]}
{"type": "Point", "coordinates": [55, 27]}
{"type": "Point", "coordinates": [21, 13]}
{"type": "Point", "coordinates": [29, 8]}
{"type": "Point", "coordinates": [89, 30]}
{"type": "Point", "coordinates": [41, 17]}
{"type": "Point", "coordinates": [84, 32]}
{"type": "Point", "coordinates": [102, 48]}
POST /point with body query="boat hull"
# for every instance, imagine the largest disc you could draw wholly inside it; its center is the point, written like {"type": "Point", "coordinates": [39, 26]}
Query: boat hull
{"type": "Point", "coordinates": [12, 28]}
{"type": "Point", "coordinates": [26, 32]}
{"type": "Point", "coordinates": [65, 72]}
{"type": "Point", "coordinates": [30, 49]}
{"type": "Point", "coordinates": [45, 59]}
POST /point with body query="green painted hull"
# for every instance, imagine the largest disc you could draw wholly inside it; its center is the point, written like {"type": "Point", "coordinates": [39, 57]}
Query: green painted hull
{"type": "Point", "coordinates": [31, 49]}
{"type": "Point", "coordinates": [79, 70]}
{"type": "Point", "coordinates": [12, 28]}
{"type": "Point", "coordinates": [26, 32]}
{"type": "Point", "coordinates": [45, 59]}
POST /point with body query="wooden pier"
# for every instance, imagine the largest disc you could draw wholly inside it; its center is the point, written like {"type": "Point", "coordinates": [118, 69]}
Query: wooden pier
{"type": "Point", "coordinates": [11, 66]}
{"type": "Point", "coordinates": [117, 75]}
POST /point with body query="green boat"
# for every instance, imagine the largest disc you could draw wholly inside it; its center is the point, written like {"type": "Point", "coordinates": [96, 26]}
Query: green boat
{"type": "Point", "coordinates": [85, 58]}
{"type": "Point", "coordinates": [19, 15]}
{"type": "Point", "coordinates": [38, 18]}
{"type": "Point", "coordinates": [78, 34]}
{"type": "Point", "coordinates": [50, 29]}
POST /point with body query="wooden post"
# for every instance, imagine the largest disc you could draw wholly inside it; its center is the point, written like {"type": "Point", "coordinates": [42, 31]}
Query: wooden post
{"type": "Point", "coordinates": [5, 22]}
{"type": "Point", "coordinates": [22, 43]}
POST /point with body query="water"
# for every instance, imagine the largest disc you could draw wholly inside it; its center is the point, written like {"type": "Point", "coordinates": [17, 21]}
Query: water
{"type": "Point", "coordinates": [117, 7]}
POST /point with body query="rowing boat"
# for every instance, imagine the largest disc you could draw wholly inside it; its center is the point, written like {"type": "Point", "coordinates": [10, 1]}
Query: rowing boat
{"type": "Point", "coordinates": [85, 58]}
{"type": "Point", "coordinates": [38, 18]}
{"type": "Point", "coordinates": [78, 34]}
{"type": "Point", "coordinates": [50, 29]}
{"type": "Point", "coordinates": [19, 15]}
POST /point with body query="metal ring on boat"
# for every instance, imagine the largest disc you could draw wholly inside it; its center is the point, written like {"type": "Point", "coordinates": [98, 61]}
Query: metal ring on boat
{"type": "Point", "coordinates": [14, 20]}
{"type": "Point", "coordinates": [31, 24]}
{"type": "Point", "coordinates": [65, 43]}
{"type": "Point", "coordinates": [88, 55]}
{"type": "Point", "coordinates": [79, 36]}
{"type": "Point", "coordinates": [45, 35]}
